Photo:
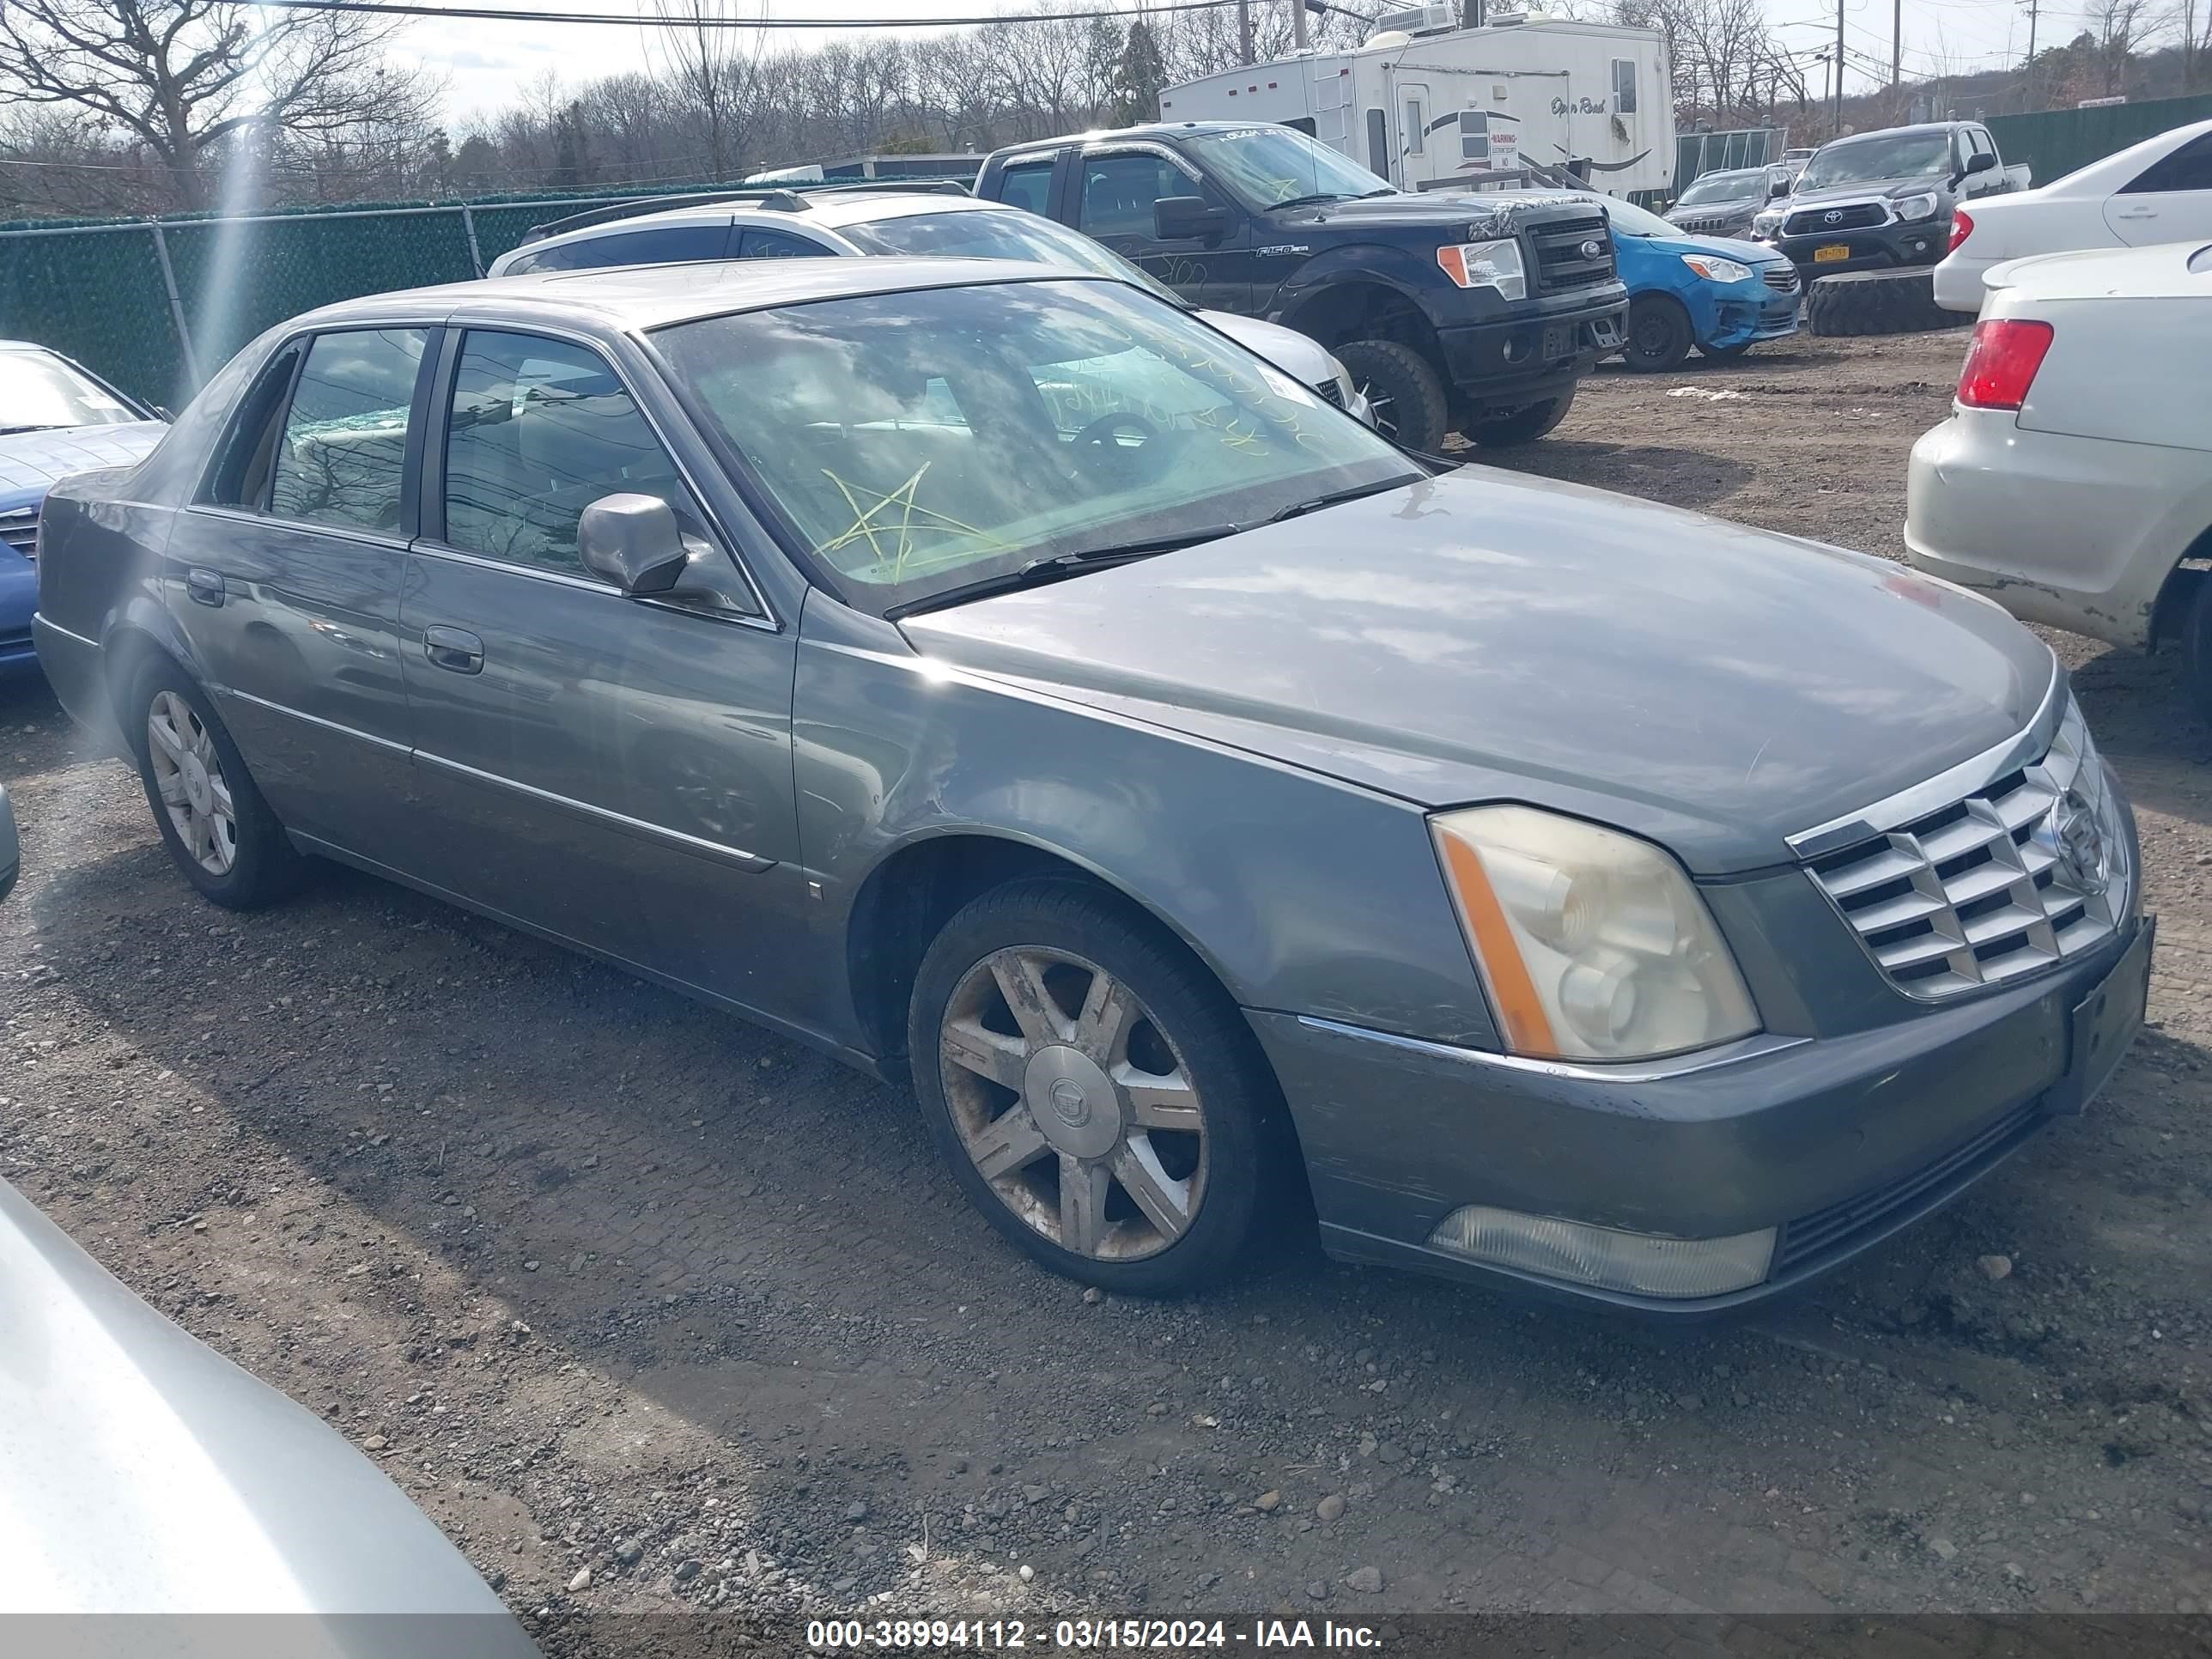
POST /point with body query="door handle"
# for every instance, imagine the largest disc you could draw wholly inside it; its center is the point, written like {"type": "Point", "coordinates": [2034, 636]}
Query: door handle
{"type": "Point", "coordinates": [204, 586]}
{"type": "Point", "coordinates": [454, 648]}
{"type": "Point", "coordinates": [2135, 213]}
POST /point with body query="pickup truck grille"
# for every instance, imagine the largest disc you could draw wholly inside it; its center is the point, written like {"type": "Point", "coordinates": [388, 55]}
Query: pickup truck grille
{"type": "Point", "coordinates": [2022, 873]}
{"type": "Point", "coordinates": [20, 530]}
{"type": "Point", "coordinates": [1561, 265]}
{"type": "Point", "coordinates": [1818, 222]}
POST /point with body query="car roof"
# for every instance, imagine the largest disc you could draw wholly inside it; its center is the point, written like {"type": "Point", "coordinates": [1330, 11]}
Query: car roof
{"type": "Point", "coordinates": [1109, 135]}
{"type": "Point", "coordinates": [1892, 132]}
{"type": "Point", "coordinates": [618, 298]}
{"type": "Point", "coordinates": [829, 208]}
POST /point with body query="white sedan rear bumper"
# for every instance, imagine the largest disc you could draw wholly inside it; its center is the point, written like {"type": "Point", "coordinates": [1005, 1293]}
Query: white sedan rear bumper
{"type": "Point", "coordinates": [1958, 282]}
{"type": "Point", "coordinates": [2078, 533]}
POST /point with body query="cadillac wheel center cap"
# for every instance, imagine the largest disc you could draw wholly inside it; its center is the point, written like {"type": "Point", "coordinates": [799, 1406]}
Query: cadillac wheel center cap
{"type": "Point", "coordinates": [1073, 1101]}
{"type": "Point", "coordinates": [195, 783]}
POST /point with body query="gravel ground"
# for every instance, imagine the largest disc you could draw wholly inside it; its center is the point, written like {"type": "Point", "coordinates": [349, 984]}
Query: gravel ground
{"type": "Point", "coordinates": [653, 1313]}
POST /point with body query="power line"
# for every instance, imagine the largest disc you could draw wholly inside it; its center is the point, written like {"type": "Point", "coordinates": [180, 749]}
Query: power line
{"type": "Point", "coordinates": [630, 20]}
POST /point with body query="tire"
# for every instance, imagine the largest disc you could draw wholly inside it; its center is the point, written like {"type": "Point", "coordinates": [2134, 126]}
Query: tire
{"type": "Point", "coordinates": [254, 864]}
{"type": "Point", "coordinates": [1404, 390]}
{"type": "Point", "coordinates": [1502, 428]}
{"type": "Point", "coordinates": [2197, 647]}
{"type": "Point", "coordinates": [1659, 337]}
{"type": "Point", "coordinates": [1872, 302]}
{"type": "Point", "coordinates": [1725, 353]}
{"type": "Point", "coordinates": [1046, 1096]}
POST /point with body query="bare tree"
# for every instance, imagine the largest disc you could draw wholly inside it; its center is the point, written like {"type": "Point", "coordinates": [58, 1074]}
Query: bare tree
{"type": "Point", "coordinates": [712, 71]}
{"type": "Point", "coordinates": [182, 76]}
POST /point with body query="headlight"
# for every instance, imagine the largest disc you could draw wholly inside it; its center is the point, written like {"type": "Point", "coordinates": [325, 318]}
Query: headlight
{"type": "Point", "coordinates": [1487, 264]}
{"type": "Point", "coordinates": [1913, 207]}
{"type": "Point", "coordinates": [1592, 944]}
{"type": "Point", "coordinates": [1766, 224]}
{"type": "Point", "coordinates": [1717, 270]}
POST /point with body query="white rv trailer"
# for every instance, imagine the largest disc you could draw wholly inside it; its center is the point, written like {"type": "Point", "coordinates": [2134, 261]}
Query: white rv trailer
{"type": "Point", "coordinates": [1425, 104]}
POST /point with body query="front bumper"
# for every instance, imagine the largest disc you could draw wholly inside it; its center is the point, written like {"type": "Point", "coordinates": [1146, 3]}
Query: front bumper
{"type": "Point", "coordinates": [1838, 1141]}
{"type": "Point", "coordinates": [1743, 313]}
{"type": "Point", "coordinates": [1534, 356]}
{"type": "Point", "coordinates": [1882, 247]}
{"type": "Point", "coordinates": [2078, 533]}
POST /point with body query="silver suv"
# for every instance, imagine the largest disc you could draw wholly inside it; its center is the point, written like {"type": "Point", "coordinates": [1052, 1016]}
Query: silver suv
{"type": "Point", "coordinates": [843, 219]}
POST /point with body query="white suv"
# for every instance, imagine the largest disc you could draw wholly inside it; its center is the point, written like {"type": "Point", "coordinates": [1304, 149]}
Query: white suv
{"type": "Point", "coordinates": [838, 220]}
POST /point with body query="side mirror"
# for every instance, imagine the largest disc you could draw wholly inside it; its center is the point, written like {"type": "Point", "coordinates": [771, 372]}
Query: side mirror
{"type": "Point", "coordinates": [1777, 190]}
{"type": "Point", "coordinates": [1980, 161]}
{"type": "Point", "coordinates": [1175, 217]}
{"type": "Point", "coordinates": [633, 542]}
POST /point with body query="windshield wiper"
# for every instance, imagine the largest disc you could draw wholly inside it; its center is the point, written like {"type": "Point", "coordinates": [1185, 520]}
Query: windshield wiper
{"type": "Point", "coordinates": [1336, 497]}
{"type": "Point", "coordinates": [1057, 566]}
{"type": "Point", "coordinates": [1316, 199]}
{"type": "Point", "coordinates": [40, 426]}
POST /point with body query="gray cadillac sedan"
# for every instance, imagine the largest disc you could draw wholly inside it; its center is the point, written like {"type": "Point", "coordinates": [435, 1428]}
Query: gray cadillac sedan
{"type": "Point", "coordinates": [989, 675]}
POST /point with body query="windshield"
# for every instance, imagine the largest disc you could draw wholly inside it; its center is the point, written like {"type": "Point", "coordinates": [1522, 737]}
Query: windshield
{"type": "Point", "coordinates": [1629, 219]}
{"type": "Point", "coordinates": [1270, 165]}
{"type": "Point", "coordinates": [1725, 187]}
{"type": "Point", "coordinates": [922, 441]}
{"type": "Point", "coordinates": [1005, 234]}
{"type": "Point", "coordinates": [37, 389]}
{"type": "Point", "coordinates": [1886, 156]}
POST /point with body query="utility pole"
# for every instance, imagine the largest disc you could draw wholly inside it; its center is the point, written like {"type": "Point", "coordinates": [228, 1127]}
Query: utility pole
{"type": "Point", "coordinates": [1896, 43]}
{"type": "Point", "coordinates": [1298, 25]}
{"type": "Point", "coordinates": [1245, 31]}
{"type": "Point", "coordinates": [1470, 14]}
{"type": "Point", "coordinates": [1839, 68]}
{"type": "Point", "coordinates": [2034, 7]}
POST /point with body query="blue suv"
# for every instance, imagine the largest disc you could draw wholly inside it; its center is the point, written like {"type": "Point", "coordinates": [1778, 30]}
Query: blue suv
{"type": "Point", "coordinates": [1718, 295]}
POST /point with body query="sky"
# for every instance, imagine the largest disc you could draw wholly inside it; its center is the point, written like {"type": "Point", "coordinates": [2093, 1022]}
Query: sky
{"type": "Point", "coordinates": [486, 62]}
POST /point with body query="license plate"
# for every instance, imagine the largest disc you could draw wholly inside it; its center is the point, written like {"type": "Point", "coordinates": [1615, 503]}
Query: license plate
{"type": "Point", "coordinates": [1830, 254]}
{"type": "Point", "coordinates": [2104, 1023]}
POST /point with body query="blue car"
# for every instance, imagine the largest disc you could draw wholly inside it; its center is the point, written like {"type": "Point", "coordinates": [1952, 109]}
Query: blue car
{"type": "Point", "coordinates": [56, 418]}
{"type": "Point", "coordinates": [1718, 295]}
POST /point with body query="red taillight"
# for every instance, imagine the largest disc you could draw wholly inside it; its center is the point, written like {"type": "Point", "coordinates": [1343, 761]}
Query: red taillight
{"type": "Point", "coordinates": [1962, 227]}
{"type": "Point", "coordinates": [2002, 362]}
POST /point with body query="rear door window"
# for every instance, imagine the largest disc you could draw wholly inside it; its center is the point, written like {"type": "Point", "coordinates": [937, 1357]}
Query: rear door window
{"type": "Point", "coordinates": [2189, 167]}
{"type": "Point", "coordinates": [342, 452]}
{"type": "Point", "coordinates": [780, 245]}
{"type": "Point", "coordinates": [662, 245]}
{"type": "Point", "coordinates": [1028, 185]}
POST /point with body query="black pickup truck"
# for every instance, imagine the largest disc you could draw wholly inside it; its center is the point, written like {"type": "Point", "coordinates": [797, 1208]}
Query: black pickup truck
{"type": "Point", "coordinates": [1457, 311]}
{"type": "Point", "coordinates": [1882, 200]}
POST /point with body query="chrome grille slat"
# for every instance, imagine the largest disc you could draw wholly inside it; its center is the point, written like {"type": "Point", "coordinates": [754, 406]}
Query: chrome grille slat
{"type": "Point", "coordinates": [20, 530]}
{"type": "Point", "coordinates": [2028, 869]}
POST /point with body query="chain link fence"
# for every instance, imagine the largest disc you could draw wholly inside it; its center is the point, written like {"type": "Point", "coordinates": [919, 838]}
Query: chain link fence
{"type": "Point", "coordinates": [157, 306]}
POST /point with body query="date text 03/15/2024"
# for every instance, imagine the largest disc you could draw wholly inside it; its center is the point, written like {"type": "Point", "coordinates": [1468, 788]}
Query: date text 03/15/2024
{"type": "Point", "coordinates": [1084, 1635]}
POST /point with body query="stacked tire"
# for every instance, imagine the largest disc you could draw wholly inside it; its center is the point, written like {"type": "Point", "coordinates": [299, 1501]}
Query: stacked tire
{"type": "Point", "coordinates": [1861, 302]}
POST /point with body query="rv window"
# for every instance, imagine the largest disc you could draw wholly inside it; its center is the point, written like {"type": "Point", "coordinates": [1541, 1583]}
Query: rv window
{"type": "Point", "coordinates": [1417, 139]}
{"type": "Point", "coordinates": [1378, 143]}
{"type": "Point", "coordinates": [1624, 86]}
{"type": "Point", "coordinates": [1475, 136]}
{"type": "Point", "coordinates": [1303, 123]}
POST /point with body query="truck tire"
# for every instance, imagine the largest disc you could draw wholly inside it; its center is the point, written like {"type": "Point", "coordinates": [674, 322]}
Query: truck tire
{"type": "Point", "coordinates": [1659, 334]}
{"type": "Point", "coordinates": [1863, 302]}
{"type": "Point", "coordinates": [1403, 388]}
{"type": "Point", "coordinates": [2197, 647]}
{"type": "Point", "coordinates": [1502, 428]}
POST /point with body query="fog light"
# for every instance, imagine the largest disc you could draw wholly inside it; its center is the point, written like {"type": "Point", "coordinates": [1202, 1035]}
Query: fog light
{"type": "Point", "coordinates": [1639, 1264]}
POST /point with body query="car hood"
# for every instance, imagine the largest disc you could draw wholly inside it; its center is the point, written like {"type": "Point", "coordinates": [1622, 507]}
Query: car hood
{"type": "Point", "coordinates": [1872, 189]}
{"type": "Point", "coordinates": [143, 1472]}
{"type": "Point", "coordinates": [1485, 636]}
{"type": "Point", "coordinates": [1301, 357]}
{"type": "Point", "coordinates": [1488, 213]}
{"type": "Point", "coordinates": [29, 461]}
{"type": "Point", "coordinates": [1753, 254]}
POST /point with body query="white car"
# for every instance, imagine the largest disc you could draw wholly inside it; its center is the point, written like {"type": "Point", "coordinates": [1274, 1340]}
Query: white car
{"type": "Point", "coordinates": [832, 220]}
{"type": "Point", "coordinates": [2073, 483]}
{"type": "Point", "coordinates": [2159, 190]}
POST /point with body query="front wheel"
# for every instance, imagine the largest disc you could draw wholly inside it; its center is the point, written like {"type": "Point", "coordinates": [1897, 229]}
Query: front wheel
{"type": "Point", "coordinates": [1658, 335]}
{"type": "Point", "coordinates": [1094, 1091]}
{"type": "Point", "coordinates": [1524, 425]}
{"type": "Point", "coordinates": [2196, 646]}
{"type": "Point", "coordinates": [218, 830]}
{"type": "Point", "coordinates": [1404, 393]}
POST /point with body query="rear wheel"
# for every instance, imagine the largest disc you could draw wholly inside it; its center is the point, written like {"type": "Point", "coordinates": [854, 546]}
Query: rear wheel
{"type": "Point", "coordinates": [218, 830]}
{"type": "Point", "coordinates": [1097, 1094]}
{"type": "Point", "coordinates": [1502, 428]}
{"type": "Point", "coordinates": [1658, 335]}
{"type": "Point", "coordinates": [1402, 390]}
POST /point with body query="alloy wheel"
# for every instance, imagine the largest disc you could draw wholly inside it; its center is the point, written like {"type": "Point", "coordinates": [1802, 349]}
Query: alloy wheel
{"type": "Point", "coordinates": [188, 772]}
{"type": "Point", "coordinates": [1073, 1103]}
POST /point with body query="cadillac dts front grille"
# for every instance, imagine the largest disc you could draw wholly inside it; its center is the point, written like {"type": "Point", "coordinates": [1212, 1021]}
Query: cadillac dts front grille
{"type": "Point", "coordinates": [2025, 871]}
{"type": "Point", "coordinates": [20, 530]}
